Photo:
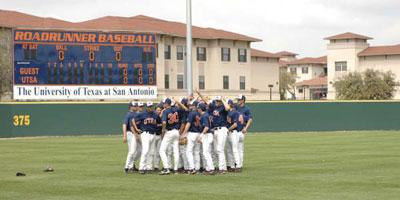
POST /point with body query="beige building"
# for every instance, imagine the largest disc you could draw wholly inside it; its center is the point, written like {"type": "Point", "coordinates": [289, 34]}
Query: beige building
{"type": "Point", "coordinates": [223, 62]}
{"type": "Point", "coordinates": [349, 52]}
{"type": "Point", "coordinates": [310, 76]}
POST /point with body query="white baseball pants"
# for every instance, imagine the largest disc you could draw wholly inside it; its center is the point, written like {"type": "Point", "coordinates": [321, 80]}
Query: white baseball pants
{"type": "Point", "coordinates": [193, 151]}
{"type": "Point", "coordinates": [171, 137]}
{"type": "Point", "coordinates": [147, 140]}
{"type": "Point", "coordinates": [232, 150]}
{"type": "Point", "coordinates": [221, 135]}
{"type": "Point", "coordinates": [207, 141]}
{"type": "Point", "coordinates": [134, 150]}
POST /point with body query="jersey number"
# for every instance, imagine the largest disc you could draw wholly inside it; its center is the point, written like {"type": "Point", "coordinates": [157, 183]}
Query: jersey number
{"type": "Point", "coordinates": [173, 118]}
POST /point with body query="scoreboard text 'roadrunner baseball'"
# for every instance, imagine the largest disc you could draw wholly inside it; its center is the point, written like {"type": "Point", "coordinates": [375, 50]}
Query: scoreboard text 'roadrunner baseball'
{"type": "Point", "coordinates": [84, 65]}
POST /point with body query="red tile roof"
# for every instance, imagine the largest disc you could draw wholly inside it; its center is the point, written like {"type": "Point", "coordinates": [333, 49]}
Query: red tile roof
{"type": "Point", "coordinates": [308, 60]}
{"type": "Point", "coordinates": [262, 54]}
{"type": "Point", "coordinates": [348, 35]}
{"type": "Point", "coordinates": [138, 23]}
{"type": "Point", "coordinates": [286, 53]}
{"type": "Point", "coordinates": [319, 81]}
{"type": "Point", "coordinates": [381, 50]}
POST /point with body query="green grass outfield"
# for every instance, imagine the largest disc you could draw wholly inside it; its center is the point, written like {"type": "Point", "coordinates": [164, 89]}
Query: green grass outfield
{"type": "Point", "coordinates": [329, 165]}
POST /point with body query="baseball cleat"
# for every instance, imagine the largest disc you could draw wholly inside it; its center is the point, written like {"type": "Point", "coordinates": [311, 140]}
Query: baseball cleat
{"type": "Point", "coordinates": [211, 172]}
{"type": "Point", "coordinates": [126, 171]}
{"type": "Point", "coordinates": [230, 169]}
{"type": "Point", "coordinates": [238, 170]}
{"type": "Point", "coordinates": [165, 172]}
{"type": "Point", "coordinates": [222, 171]}
{"type": "Point", "coordinates": [193, 171]}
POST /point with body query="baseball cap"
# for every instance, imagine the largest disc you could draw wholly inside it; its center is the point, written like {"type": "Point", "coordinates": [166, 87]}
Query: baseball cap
{"type": "Point", "coordinates": [218, 98]}
{"type": "Point", "coordinates": [167, 101]}
{"type": "Point", "coordinates": [132, 104]}
{"type": "Point", "coordinates": [202, 106]}
{"type": "Point", "coordinates": [149, 104]}
{"type": "Point", "coordinates": [241, 97]}
{"type": "Point", "coordinates": [230, 102]}
{"type": "Point", "coordinates": [140, 104]}
{"type": "Point", "coordinates": [184, 101]}
{"type": "Point", "coordinates": [160, 105]}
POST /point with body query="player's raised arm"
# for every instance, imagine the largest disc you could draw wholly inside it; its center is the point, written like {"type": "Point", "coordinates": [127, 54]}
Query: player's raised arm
{"type": "Point", "coordinates": [202, 97]}
{"type": "Point", "coordinates": [180, 105]}
{"type": "Point", "coordinates": [226, 105]}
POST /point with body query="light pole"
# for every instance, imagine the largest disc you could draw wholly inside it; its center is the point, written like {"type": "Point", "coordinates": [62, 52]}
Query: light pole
{"type": "Point", "coordinates": [189, 74]}
{"type": "Point", "coordinates": [270, 91]}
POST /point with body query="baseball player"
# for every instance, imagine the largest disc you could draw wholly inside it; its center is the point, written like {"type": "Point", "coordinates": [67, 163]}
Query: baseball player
{"type": "Point", "coordinates": [182, 106]}
{"type": "Point", "coordinates": [192, 132]}
{"type": "Point", "coordinates": [148, 128]}
{"type": "Point", "coordinates": [206, 138]}
{"type": "Point", "coordinates": [236, 125]}
{"type": "Point", "coordinates": [248, 120]}
{"type": "Point", "coordinates": [130, 137]}
{"type": "Point", "coordinates": [155, 148]}
{"type": "Point", "coordinates": [170, 136]}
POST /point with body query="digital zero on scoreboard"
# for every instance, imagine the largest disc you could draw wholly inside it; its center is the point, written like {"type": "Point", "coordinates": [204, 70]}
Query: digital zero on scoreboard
{"type": "Point", "coordinates": [84, 65]}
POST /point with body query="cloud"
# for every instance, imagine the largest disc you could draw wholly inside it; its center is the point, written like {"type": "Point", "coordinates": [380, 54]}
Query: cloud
{"type": "Point", "coordinates": [297, 26]}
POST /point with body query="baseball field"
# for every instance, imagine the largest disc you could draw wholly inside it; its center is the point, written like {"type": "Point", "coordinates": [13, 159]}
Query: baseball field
{"type": "Point", "coordinates": [326, 165]}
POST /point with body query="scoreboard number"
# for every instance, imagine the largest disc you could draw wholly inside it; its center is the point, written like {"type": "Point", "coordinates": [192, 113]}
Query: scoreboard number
{"type": "Point", "coordinates": [91, 55]}
{"type": "Point", "coordinates": [118, 56]}
{"type": "Point", "coordinates": [21, 120]}
{"type": "Point", "coordinates": [61, 55]}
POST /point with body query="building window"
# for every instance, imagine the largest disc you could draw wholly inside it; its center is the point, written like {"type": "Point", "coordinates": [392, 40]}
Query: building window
{"type": "Point", "coordinates": [166, 81]}
{"type": "Point", "coordinates": [304, 70]}
{"type": "Point", "coordinates": [226, 82]}
{"type": "Point", "coordinates": [341, 66]}
{"type": "Point", "coordinates": [242, 55]}
{"type": "Point", "coordinates": [201, 54]}
{"type": "Point", "coordinates": [242, 82]}
{"type": "Point", "coordinates": [179, 52]}
{"type": "Point", "coordinates": [201, 82]}
{"type": "Point", "coordinates": [180, 81]}
{"type": "Point", "coordinates": [301, 90]}
{"type": "Point", "coordinates": [225, 54]}
{"type": "Point", "coordinates": [293, 70]}
{"type": "Point", "coordinates": [167, 52]}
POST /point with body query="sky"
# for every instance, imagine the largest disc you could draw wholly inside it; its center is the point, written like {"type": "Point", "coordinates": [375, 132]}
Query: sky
{"type": "Point", "coordinates": [297, 26]}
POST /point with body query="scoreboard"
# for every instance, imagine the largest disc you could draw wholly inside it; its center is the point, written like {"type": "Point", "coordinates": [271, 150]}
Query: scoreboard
{"type": "Point", "coordinates": [84, 65]}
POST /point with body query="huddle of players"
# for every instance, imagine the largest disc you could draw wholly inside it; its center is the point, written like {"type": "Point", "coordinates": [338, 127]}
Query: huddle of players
{"type": "Point", "coordinates": [194, 132]}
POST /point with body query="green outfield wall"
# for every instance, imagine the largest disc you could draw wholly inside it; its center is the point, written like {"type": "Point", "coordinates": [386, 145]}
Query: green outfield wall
{"type": "Point", "coordinates": [53, 119]}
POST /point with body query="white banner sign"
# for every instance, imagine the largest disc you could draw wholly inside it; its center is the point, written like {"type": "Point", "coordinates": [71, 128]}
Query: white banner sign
{"type": "Point", "coordinates": [83, 92]}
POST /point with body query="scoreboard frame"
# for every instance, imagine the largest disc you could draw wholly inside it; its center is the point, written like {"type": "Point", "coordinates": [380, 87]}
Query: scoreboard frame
{"type": "Point", "coordinates": [122, 42]}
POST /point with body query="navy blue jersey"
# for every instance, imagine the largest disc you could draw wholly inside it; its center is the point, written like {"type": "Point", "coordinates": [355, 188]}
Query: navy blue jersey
{"type": "Point", "coordinates": [128, 119]}
{"type": "Point", "coordinates": [183, 115]}
{"type": "Point", "coordinates": [148, 121]}
{"type": "Point", "coordinates": [219, 116]}
{"type": "Point", "coordinates": [205, 122]}
{"type": "Point", "coordinates": [194, 120]}
{"type": "Point", "coordinates": [238, 118]}
{"type": "Point", "coordinates": [171, 117]}
{"type": "Point", "coordinates": [244, 110]}
{"type": "Point", "coordinates": [159, 125]}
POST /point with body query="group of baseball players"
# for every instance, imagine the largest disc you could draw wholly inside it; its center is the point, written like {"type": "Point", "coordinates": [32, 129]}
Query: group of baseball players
{"type": "Point", "coordinates": [193, 135]}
